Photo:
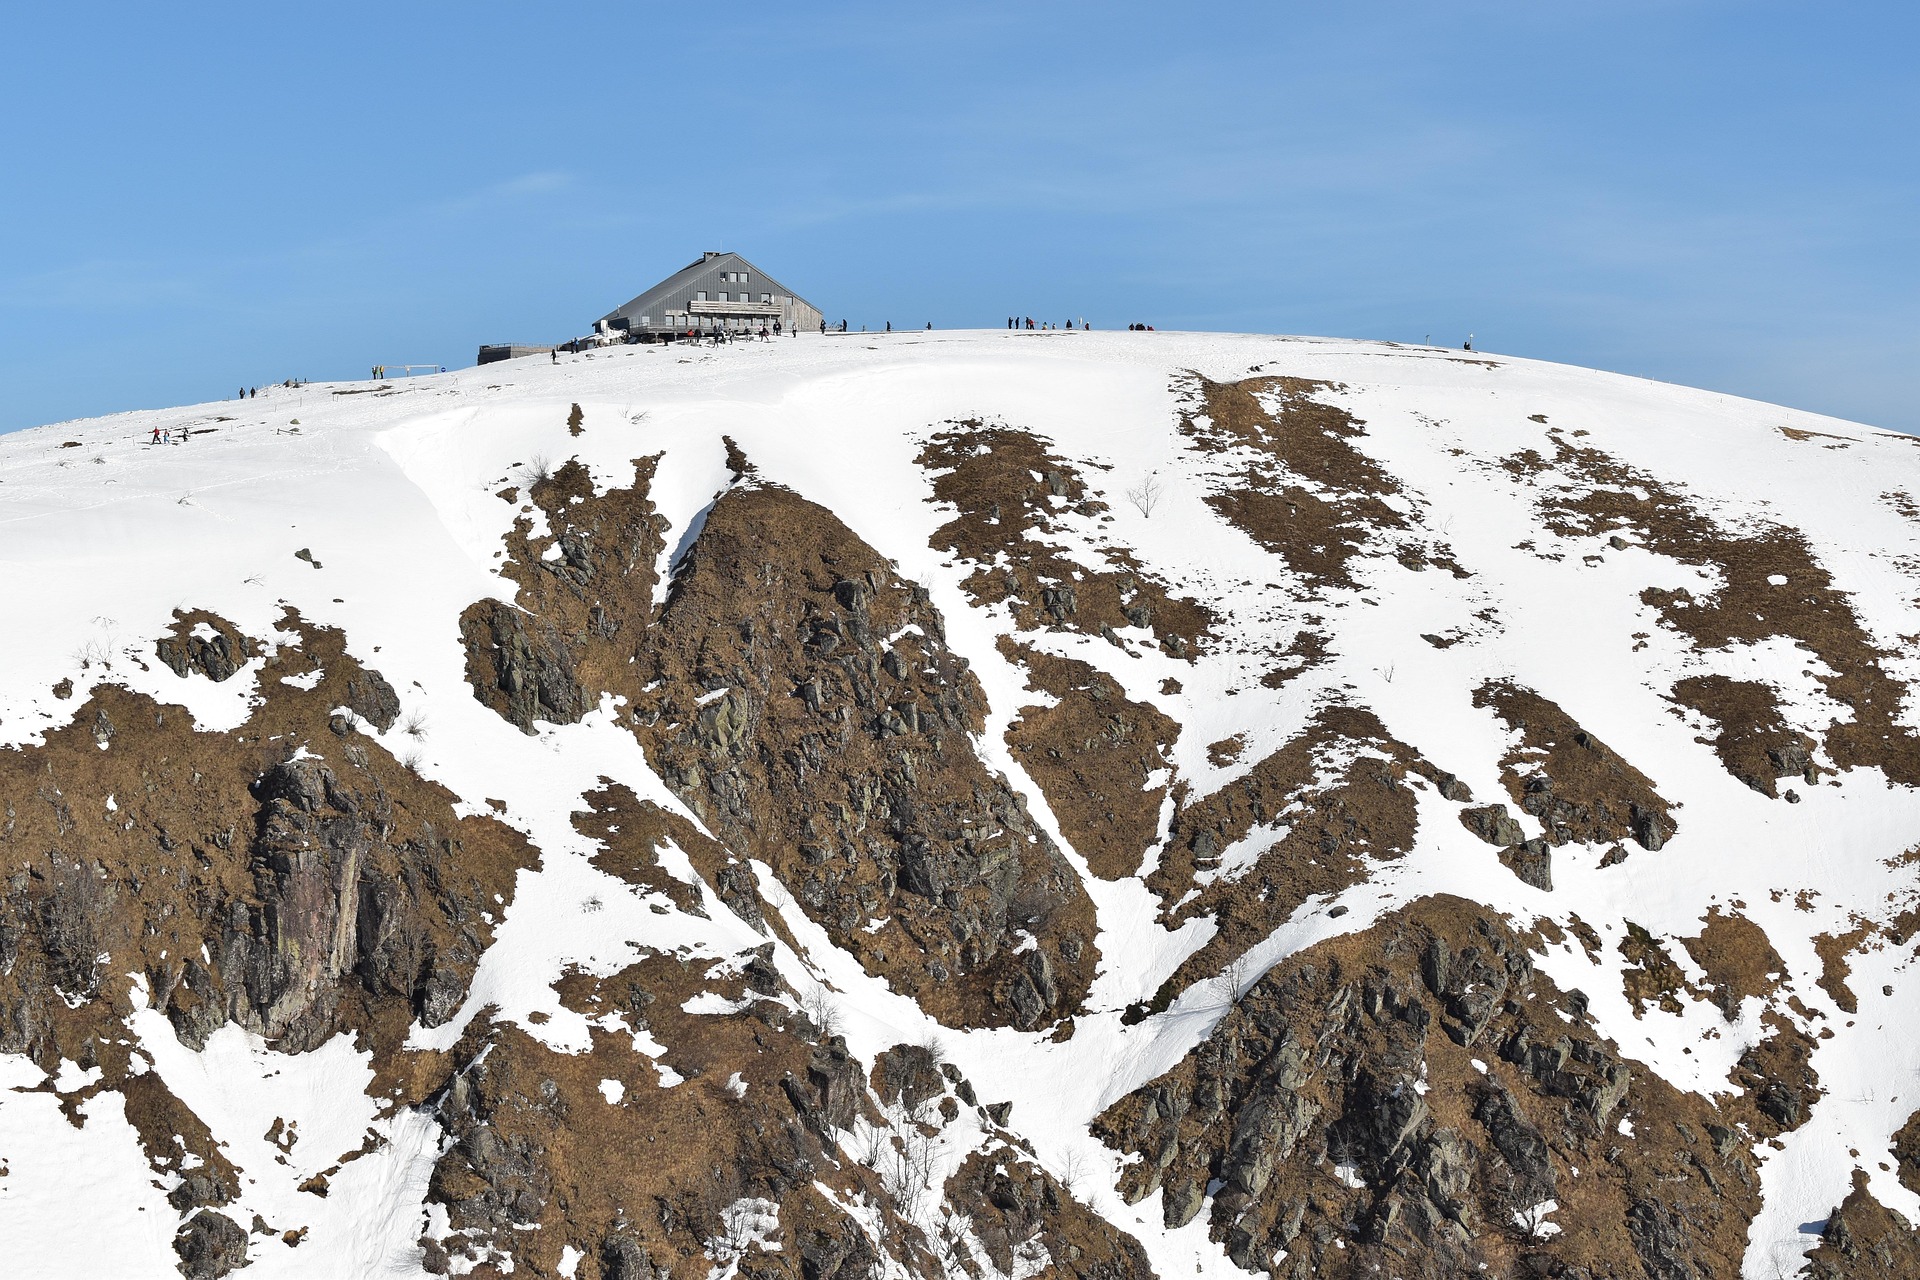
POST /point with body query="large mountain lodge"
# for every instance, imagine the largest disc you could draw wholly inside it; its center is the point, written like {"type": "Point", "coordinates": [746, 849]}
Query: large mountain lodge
{"type": "Point", "coordinates": [720, 292]}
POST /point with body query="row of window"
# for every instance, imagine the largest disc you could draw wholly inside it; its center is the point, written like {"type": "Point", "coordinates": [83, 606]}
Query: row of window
{"type": "Point", "coordinates": [734, 277]}
{"type": "Point", "coordinates": [701, 296]}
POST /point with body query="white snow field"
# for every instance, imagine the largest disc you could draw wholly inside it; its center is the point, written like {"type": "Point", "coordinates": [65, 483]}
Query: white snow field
{"type": "Point", "coordinates": [391, 488]}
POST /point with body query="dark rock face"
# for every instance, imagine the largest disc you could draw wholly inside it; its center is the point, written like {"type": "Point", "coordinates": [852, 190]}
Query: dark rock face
{"type": "Point", "coordinates": [1864, 1240]}
{"type": "Point", "coordinates": [1019, 1211]}
{"type": "Point", "coordinates": [210, 1246]}
{"type": "Point", "coordinates": [1492, 823]}
{"type": "Point", "coordinates": [520, 668]}
{"type": "Point", "coordinates": [1532, 862]}
{"type": "Point", "coordinates": [371, 698]}
{"type": "Point", "coordinates": [287, 876]}
{"type": "Point", "coordinates": [337, 902]}
{"type": "Point", "coordinates": [810, 712]}
{"type": "Point", "coordinates": [909, 1075]}
{"type": "Point", "coordinates": [829, 1097]}
{"type": "Point", "coordinates": [217, 656]}
{"type": "Point", "coordinates": [1325, 1109]}
{"type": "Point", "coordinates": [799, 697]}
{"type": "Point", "coordinates": [845, 1255]}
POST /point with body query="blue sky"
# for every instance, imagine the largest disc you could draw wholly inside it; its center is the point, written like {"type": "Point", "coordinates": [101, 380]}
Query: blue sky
{"type": "Point", "coordinates": [1721, 194]}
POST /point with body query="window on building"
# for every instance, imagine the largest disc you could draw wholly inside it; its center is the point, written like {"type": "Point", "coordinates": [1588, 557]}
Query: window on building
{"type": "Point", "coordinates": [700, 296]}
{"type": "Point", "coordinates": [766, 297]}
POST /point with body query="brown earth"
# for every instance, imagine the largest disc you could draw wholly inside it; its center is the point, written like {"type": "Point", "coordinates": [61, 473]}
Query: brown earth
{"type": "Point", "coordinates": [642, 1185]}
{"type": "Point", "coordinates": [1334, 833]}
{"type": "Point", "coordinates": [1754, 741]}
{"type": "Point", "coordinates": [1601, 498]}
{"type": "Point", "coordinates": [1330, 1121]}
{"type": "Point", "coordinates": [1091, 754]}
{"type": "Point", "coordinates": [648, 1183]}
{"type": "Point", "coordinates": [1008, 492]}
{"type": "Point", "coordinates": [1579, 787]}
{"type": "Point", "coordinates": [1776, 1085]}
{"type": "Point", "coordinates": [1305, 492]}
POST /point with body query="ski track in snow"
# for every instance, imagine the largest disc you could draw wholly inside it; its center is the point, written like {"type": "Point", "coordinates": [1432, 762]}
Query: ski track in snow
{"type": "Point", "coordinates": [394, 493]}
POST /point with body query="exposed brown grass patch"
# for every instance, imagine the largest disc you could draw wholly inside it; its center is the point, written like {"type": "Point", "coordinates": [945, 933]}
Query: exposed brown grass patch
{"type": "Point", "coordinates": [1305, 492]}
{"type": "Point", "coordinates": [1754, 741]}
{"type": "Point", "coordinates": [1008, 492]}
{"type": "Point", "coordinates": [1326, 836]}
{"type": "Point", "coordinates": [1606, 495]}
{"type": "Point", "coordinates": [1093, 753]}
{"type": "Point", "coordinates": [1580, 788]}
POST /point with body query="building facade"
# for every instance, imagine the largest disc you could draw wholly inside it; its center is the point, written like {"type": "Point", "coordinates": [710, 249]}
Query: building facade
{"type": "Point", "coordinates": [720, 291]}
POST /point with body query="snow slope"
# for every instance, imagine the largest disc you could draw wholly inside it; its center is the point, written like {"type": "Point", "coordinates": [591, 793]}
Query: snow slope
{"type": "Point", "coordinates": [392, 493]}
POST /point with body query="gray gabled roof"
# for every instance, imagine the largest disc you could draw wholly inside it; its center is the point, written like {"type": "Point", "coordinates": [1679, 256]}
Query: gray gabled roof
{"type": "Point", "coordinates": [650, 302]}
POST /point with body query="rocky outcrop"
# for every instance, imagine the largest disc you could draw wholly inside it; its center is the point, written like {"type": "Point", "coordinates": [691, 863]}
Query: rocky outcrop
{"type": "Point", "coordinates": [520, 667]}
{"type": "Point", "coordinates": [1864, 1240]}
{"type": "Point", "coordinates": [807, 708]}
{"type": "Point", "coordinates": [289, 875]}
{"type": "Point", "coordinates": [1027, 1221]}
{"type": "Point", "coordinates": [1579, 788]}
{"type": "Point", "coordinates": [210, 1245]}
{"type": "Point", "coordinates": [1334, 831]}
{"type": "Point", "coordinates": [799, 697]}
{"type": "Point", "coordinates": [908, 1075]}
{"type": "Point", "coordinates": [1413, 1097]}
{"type": "Point", "coordinates": [205, 643]}
{"type": "Point", "coordinates": [638, 1165]}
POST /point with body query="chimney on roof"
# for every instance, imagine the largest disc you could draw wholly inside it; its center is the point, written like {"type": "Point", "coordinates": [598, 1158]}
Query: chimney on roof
{"type": "Point", "coordinates": [710, 255]}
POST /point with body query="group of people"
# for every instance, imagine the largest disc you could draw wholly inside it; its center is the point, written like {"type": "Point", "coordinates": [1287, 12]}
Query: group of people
{"type": "Point", "coordinates": [1028, 322]}
{"type": "Point", "coordinates": [248, 393]}
{"type": "Point", "coordinates": [166, 435]}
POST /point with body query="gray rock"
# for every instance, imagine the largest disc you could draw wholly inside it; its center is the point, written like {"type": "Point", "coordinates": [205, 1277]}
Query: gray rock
{"type": "Point", "coordinates": [908, 1074]}
{"type": "Point", "coordinates": [1650, 829]}
{"type": "Point", "coordinates": [838, 1255]}
{"type": "Point", "coordinates": [1660, 1240]}
{"type": "Point", "coordinates": [534, 676]}
{"type": "Point", "coordinates": [370, 697]}
{"type": "Point", "coordinates": [210, 1245]}
{"type": "Point", "coordinates": [1494, 824]}
{"type": "Point", "coordinates": [1532, 862]}
{"type": "Point", "coordinates": [1520, 1145]}
{"type": "Point", "coordinates": [829, 1098]}
{"type": "Point", "coordinates": [216, 657]}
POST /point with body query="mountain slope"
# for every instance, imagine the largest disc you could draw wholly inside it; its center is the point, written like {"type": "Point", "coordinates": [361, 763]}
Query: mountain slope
{"type": "Point", "coordinates": [1104, 804]}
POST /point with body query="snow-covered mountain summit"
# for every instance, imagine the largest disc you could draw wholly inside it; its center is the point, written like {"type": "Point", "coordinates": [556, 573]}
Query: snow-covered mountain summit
{"type": "Point", "coordinates": [1103, 804]}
